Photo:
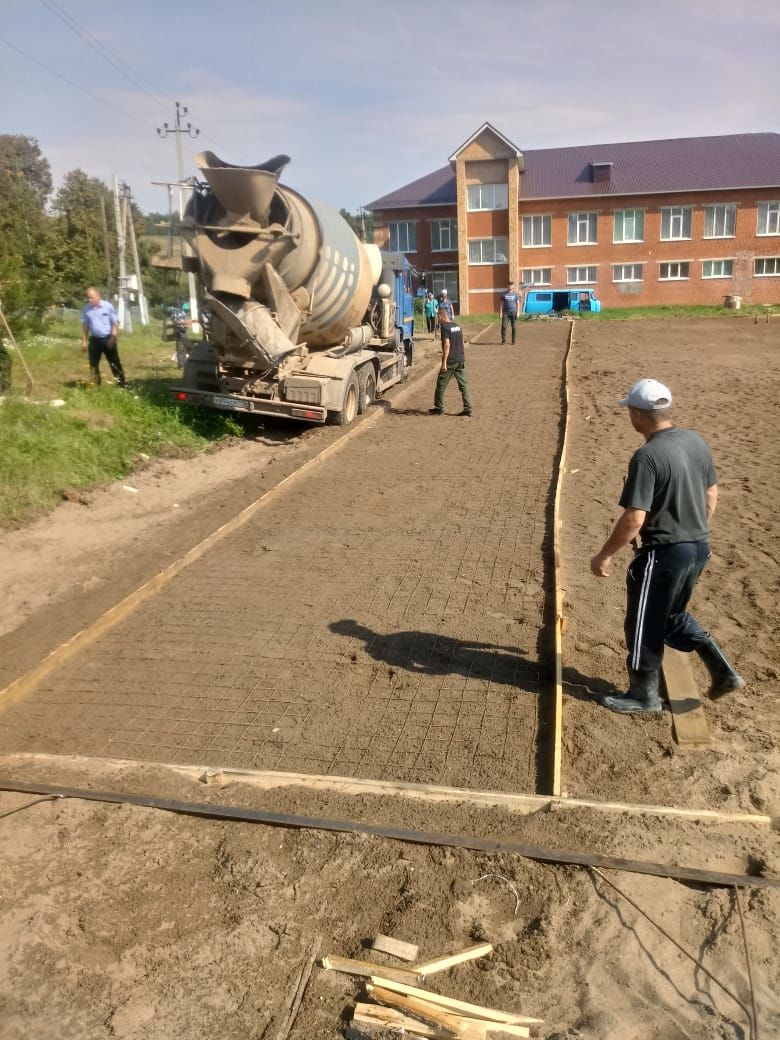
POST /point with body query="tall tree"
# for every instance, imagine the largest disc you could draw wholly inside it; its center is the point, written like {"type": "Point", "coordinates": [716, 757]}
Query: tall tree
{"type": "Point", "coordinates": [78, 230]}
{"type": "Point", "coordinates": [25, 239]}
{"type": "Point", "coordinates": [361, 223]}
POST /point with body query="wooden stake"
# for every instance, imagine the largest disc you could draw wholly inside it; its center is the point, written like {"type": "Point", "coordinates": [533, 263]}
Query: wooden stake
{"type": "Point", "coordinates": [396, 948]}
{"type": "Point", "coordinates": [459, 1007]}
{"type": "Point", "coordinates": [366, 969]}
{"type": "Point", "coordinates": [450, 960]}
{"type": "Point", "coordinates": [390, 1018]}
{"type": "Point", "coordinates": [457, 1025]}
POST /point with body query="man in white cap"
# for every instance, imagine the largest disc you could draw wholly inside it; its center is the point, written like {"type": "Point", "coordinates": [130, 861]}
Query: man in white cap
{"type": "Point", "coordinates": [668, 498]}
{"type": "Point", "coordinates": [445, 303]}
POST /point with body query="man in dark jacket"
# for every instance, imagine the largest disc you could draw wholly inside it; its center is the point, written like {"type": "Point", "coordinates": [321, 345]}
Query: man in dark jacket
{"type": "Point", "coordinates": [453, 363]}
{"type": "Point", "coordinates": [668, 498]}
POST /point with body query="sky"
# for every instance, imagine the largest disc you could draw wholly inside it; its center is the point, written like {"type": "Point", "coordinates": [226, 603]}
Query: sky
{"type": "Point", "coordinates": [368, 95]}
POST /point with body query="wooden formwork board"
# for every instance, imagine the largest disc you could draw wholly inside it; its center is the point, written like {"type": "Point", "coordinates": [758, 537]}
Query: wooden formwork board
{"type": "Point", "coordinates": [688, 718]}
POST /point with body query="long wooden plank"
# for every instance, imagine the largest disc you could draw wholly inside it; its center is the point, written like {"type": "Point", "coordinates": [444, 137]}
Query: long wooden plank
{"type": "Point", "coordinates": [690, 722]}
{"type": "Point", "coordinates": [458, 1007]}
{"type": "Point", "coordinates": [459, 841]}
{"type": "Point", "coordinates": [460, 1026]}
{"type": "Point", "coordinates": [267, 780]}
{"type": "Point", "coordinates": [26, 683]}
{"type": "Point", "coordinates": [451, 959]}
{"type": "Point", "coordinates": [365, 969]}
{"type": "Point", "coordinates": [557, 734]}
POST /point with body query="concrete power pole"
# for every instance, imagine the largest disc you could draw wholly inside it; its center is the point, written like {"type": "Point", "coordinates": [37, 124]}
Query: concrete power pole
{"type": "Point", "coordinates": [127, 199]}
{"type": "Point", "coordinates": [178, 130]}
{"type": "Point", "coordinates": [123, 310]}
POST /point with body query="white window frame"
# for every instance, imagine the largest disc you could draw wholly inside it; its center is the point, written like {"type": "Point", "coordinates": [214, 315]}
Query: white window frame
{"type": "Point", "coordinates": [451, 225]}
{"type": "Point", "coordinates": [637, 216]}
{"type": "Point", "coordinates": [396, 225]}
{"type": "Point", "coordinates": [538, 225]}
{"type": "Point", "coordinates": [445, 280]}
{"type": "Point", "coordinates": [484, 250]}
{"type": "Point", "coordinates": [677, 218]}
{"type": "Point", "coordinates": [574, 274]}
{"type": "Point", "coordinates": [721, 274]}
{"type": "Point", "coordinates": [716, 223]}
{"type": "Point", "coordinates": [771, 218]}
{"type": "Point", "coordinates": [679, 277]}
{"type": "Point", "coordinates": [536, 276]}
{"type": "Point", "coordinates": [773, 260]}
{"type": "Point", "coordinates": [583, 223]}
{"type": "Point", "coordinates": [486, 197]}
{"type": "Point", "coordinates": [619, 271]}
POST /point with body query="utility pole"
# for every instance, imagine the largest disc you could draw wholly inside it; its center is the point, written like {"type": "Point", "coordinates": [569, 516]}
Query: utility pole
{"type": "Point", "coordinates": [123, 310]}
{"type": "Point", "coordinates": [178, 130]}
{"type": "Point", "coordinates": [106, 250]}
{"type": "Point", "coordinates": [128, 198]}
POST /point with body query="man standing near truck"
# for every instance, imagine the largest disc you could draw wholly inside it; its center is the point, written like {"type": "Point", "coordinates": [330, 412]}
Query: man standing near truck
{"type": "Point", "coordinates": [100, 328]}
{"type": "Point", "coordinates": [453, 363]}
{"type": "Point", "coordinates": [510, 302]}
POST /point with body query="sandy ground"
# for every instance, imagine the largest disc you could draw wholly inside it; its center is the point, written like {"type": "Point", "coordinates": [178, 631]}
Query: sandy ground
{"type": "Point", "coordinates": [100, 940]}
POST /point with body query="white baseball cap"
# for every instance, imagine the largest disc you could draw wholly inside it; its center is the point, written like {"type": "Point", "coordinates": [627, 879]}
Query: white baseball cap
{"type": "Point", "coordinates": [648, 395]}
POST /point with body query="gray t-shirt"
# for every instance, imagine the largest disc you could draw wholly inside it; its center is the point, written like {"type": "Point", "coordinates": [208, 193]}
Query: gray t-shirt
{"type": "Point", "coordinates": [668, 477]}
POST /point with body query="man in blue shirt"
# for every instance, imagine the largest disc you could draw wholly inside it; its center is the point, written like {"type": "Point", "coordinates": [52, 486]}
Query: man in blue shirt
{"type": "Point", "coordinates": [510, 302]}
{"type": "Point", "coordinates": [445, 303]}
{"type": "Point", "coordinates": [100, 328]}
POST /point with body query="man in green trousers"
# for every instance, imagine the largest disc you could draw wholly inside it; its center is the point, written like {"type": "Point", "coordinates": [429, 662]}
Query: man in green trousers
{"type": "Point", "coordinates": [453, 363]}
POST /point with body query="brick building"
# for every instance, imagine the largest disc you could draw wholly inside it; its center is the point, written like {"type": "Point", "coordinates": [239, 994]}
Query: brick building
{"type": "Point", "coordinates": [685, 221]}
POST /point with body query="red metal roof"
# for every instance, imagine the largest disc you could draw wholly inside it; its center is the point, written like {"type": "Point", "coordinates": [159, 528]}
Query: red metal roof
{"type": "Point", "coordinates": [638, 168]}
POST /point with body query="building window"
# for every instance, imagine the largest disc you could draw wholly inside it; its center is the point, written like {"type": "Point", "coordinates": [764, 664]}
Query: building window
{"type": "Point", "coordinates": [627, 272]}
{"type": "Point", "coordinates": [488, 196]}
{"type": "Point", "coordinates": [675, 271]}
{"type": "Point", "coordinates": [629, 225]}
{"type": "Point", "coordinates": [444, 235]}
{"type": "Point", "coordinates": [446, 280]}
{"type": "Point", "coordinates": [720, 221]}
{"type": "Point", "coordinates": [489, 250]}
{"type": "Point", "coordinates": [768, 218]}
{"type": "Point", "coordinates": [717, 268]}
{"type": "Point", "coordinates": [767, 266]}
{"type": "Point", "coordinates": [537, 231]}
{"type": "Point", "coordinates": [582, 229]}
{"type": "Point", "coordinates": [403, 237]}
{"type": "Point", "coordinates": [581, 275]}
{"type": "Point", "coordinates": [536, 276]}
{"type": "Point", "coordinates": [675, 222]}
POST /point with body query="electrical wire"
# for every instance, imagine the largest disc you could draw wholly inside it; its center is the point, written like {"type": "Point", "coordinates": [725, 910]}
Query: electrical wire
{"type": "Point", "coordinates": [682, 950]}
{"type": "Point", "coordinates": [71, 83]}
{"type": "Point", "coordinates": [37, 801]}
{"type": "Point", "coordinates": [103, 50]}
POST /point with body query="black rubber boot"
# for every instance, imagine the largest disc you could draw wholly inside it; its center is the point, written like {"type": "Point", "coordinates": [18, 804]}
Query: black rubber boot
{"type": "Point", "coordinates": [643, 696]}
{"type": "Point", "coordinates": [724, 678]}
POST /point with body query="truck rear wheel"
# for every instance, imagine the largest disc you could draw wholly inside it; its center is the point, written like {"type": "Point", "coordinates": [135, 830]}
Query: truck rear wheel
{"type": "Point", "coordinates": [350, 409]}
{"type": "Point", "coordinates": [366, 388]}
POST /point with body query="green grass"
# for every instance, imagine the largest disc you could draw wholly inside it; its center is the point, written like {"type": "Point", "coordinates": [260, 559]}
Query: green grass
{"type": "Point", "coordinates": [100, 433]}
{"type": "Point", "coordinates": [650, 313]}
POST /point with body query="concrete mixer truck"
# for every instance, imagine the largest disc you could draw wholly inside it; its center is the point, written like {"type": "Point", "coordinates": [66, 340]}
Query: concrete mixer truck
{"type": "Point", "coordinates": [301, 319]}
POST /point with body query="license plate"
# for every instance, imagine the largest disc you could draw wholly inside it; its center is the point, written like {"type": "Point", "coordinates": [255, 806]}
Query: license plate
{"type": "Point", "coordinates": [226, 402]}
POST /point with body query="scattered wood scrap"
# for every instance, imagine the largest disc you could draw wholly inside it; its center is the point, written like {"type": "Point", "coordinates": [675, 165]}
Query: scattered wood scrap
{"type": "Point", "coordinates": [402, 1005]}
{"type": "Point", "coordinates": [366, 969]}
{"type": "Point", "coordinates": [451, 959]}
{"type": "Point", "coordinates": [404, 951]}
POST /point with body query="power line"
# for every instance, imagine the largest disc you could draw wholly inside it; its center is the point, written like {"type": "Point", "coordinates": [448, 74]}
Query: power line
{"type": "Point", "coordinates": [71, 83]}
{"type": "Point", "coordinates": [91, 41]}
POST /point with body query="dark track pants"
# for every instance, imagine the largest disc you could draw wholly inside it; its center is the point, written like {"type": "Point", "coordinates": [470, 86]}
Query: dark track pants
{"type": "Point", "coordinates": [430, 323]}
{"type": "Point", "coordinates": [659, 585]}
{"type": "Point", "coordinates": [511, 318]}
{"type": "Point", "coordinates": [100, 345]}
